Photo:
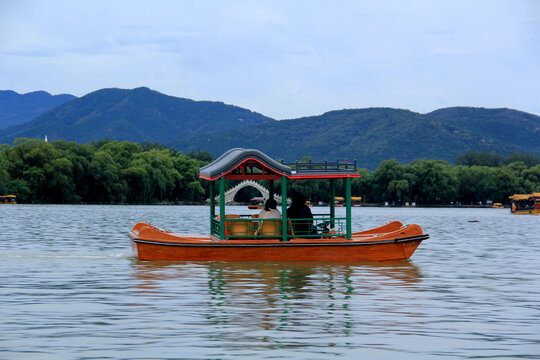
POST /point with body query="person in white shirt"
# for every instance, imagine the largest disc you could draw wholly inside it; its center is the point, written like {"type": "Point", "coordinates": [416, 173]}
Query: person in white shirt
{"type": "Point", "coordinates": [270, 210]}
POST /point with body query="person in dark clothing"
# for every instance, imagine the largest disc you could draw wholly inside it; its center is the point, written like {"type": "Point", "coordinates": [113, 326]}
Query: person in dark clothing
{"type": "Point", "coordinates": [299, 210]}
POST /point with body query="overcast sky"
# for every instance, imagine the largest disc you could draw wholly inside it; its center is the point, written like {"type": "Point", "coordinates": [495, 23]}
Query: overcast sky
{"type": "Point", "coordinates": [284, 59]}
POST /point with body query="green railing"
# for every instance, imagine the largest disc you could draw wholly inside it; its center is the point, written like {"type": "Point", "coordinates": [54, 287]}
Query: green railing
{"type": "Point", "coordinates": [246, 227]}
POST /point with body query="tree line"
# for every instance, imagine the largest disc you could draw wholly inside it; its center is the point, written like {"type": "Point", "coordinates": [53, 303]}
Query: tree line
{"type": "Point", "coordinates": [112, 172]}
{"type": "Point", "coordinates": [103, 172]}
{"type": "Point", "coordinates": [476, 178]}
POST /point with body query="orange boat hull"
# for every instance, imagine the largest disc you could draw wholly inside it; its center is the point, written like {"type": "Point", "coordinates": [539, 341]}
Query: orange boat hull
{"type": "Point", "coordinates": [390, 242]}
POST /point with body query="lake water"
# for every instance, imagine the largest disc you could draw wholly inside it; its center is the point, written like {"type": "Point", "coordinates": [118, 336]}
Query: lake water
{"type": "Point", "coordinates": [70, 289]}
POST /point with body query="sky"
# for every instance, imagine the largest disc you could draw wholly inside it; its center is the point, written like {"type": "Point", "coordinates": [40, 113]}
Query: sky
{"type": "Point", "coordinates": [284, 59]}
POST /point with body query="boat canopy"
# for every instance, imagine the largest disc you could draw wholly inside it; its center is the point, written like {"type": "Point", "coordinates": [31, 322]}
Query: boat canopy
{"type": "Point", "coordinates": [239, 164]}
{"type": "Point", "coordinates": [524, 196]}
{"type": "Point", "coordinates": [252, 164]}
{"type": "Point", "coordinates": [248, 163]}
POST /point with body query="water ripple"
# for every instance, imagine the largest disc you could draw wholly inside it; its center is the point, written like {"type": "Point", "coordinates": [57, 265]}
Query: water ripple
{"type": "Point", "coordinates": [71, 289]}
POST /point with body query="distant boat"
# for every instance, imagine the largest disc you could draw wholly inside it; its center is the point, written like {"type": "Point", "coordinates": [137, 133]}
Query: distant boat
{"type": "Point", "coordinates": [356, 201]}
{"type": "Point", "coordinates": [498, 206]}
{"type": "Point", "coordinates": [525, 204]}
{"type": "Point", "coordinates": [256, 203]}
{"type": "Point", "coordinates": [8, 199]}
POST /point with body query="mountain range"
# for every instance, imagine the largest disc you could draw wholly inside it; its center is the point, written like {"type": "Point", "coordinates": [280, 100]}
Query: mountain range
{"type": "Point", "coordinates": [375, 134]}
{"type": "Point", "coordinates": [368, 135]}
{"type": "Point", "coordinates": [135, 115]}
{"type": "Point", "coordinates": [20, 108]}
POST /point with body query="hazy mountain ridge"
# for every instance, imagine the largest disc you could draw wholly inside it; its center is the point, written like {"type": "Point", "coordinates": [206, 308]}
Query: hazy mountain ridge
{"type": "Point", "coordinates": [18, 108]}
{"type": "Point", "coordinates": [136, 115]}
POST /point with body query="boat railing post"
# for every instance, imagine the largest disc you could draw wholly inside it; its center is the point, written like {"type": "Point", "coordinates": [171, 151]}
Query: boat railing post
{"type": "Point", "coordinates": [332, 203]}
{"type": "Point", "coordinates": [222, 208]}
{"type": "Point", "coordinates": [212, 205]}
{"type": "Point", "coordinates": [284, 209]}
{"type": "Point", "coordinates": [348, 201]}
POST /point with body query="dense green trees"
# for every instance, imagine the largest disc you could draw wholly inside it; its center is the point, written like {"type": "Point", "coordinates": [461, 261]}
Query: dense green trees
{"type": "Point", "coordinates": [435, 182]}
{"type": "Point", "coordinates": [422, 181]}
{"type": "Point", "coordinates": [113, 172]}
{"type": "Point", "coordinates": [491, 159]}
{"type": "Point", "coordinates": [103, 172]}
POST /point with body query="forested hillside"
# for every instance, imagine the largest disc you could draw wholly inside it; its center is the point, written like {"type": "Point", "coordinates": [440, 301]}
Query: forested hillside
{"type": "Point", "coordinates": [134, 115]}
{"type": "Point", "coordinates": [376, 134]}
{"type": "Point", "coordinates": [20, 108]}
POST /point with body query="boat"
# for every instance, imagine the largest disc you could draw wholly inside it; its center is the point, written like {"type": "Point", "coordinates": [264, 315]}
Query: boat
{"type": "Point", "coordinates": [498, 206]}
{"type": "Point", "coordinates": [256, 203]}
{"type": "Point", "coordinates": [237, 237]}
{"type": "Point", "coordinates": [525, 204]}
{"type": "Point", "coordinates": [356, 201]}
{"type": "Point", "coordinates": [8, 199]}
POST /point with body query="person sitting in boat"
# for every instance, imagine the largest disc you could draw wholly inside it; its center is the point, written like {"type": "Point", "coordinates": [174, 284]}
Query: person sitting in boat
{"type": "Point", "coordinates": [299, 210]}
{"type": "Point", "coordinates": [270, 210]}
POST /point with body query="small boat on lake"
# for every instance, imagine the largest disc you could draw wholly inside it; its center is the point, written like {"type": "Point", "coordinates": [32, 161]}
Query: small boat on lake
{"type": "Point", "coordinates": [256, 203]}
{"type": "Point", "coordinates": [525, 204]}
{"type": "Point", "coordinates": [8, 199]}
{"type": "Point", "coordinates": [325, 237]}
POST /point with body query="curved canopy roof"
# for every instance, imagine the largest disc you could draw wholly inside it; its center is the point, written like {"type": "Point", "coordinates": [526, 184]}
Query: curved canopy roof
{"type": "Point", "coordinates": [524, 196]}
{"type": "Point", "coordinates": [253, 164]}
{"type": "Point", "coordinates": [233, 158]}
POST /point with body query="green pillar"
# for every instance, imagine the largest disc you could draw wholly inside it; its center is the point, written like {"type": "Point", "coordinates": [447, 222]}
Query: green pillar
{"type": "Point", "coordinates": [332, 202]}
{"type": "Point", "coordinates": [222, 208]}
{"type": "Point", "coordinates": [284, 208]}
{"type": "Point", "coordinates": [212, 204]}
{"type": "Point", "coordinates": [348, 200]}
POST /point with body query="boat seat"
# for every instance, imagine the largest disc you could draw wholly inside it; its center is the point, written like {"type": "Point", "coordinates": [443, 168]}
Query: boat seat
{"type": "Point", "coordinates": [269, 228]}
{"type": "Point", "coordinates": [228, 224]}
{"type": "Point", "coordinates": [242, 228]}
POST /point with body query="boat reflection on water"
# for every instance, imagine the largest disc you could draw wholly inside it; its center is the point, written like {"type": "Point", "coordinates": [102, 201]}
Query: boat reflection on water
{"type": "Point", "coordinates": [325, 297]}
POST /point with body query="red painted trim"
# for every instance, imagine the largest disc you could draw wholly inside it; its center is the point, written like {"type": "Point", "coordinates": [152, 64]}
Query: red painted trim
{"type": "Point", "coordinates": [329, 176]}
{"type": "Point", "coordinates": [252, 177]}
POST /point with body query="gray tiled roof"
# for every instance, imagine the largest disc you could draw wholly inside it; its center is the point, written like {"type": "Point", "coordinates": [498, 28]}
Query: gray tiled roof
{"type": "Point", "coordinates": [232, 158]}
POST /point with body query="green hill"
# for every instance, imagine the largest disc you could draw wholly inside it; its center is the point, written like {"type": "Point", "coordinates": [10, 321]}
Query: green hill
{"type": "Point", "coordinates": [367, 135]}
{"type": "Point", "coordinates": [375, 134]}
{"type": "Point", "coordinates": [135, 115]}
{"type": "Point", "coordinates": [20, 108]}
